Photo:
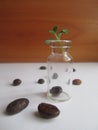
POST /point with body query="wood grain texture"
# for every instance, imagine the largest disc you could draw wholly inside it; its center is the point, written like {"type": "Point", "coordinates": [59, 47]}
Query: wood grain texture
{"type": "Point", "coordinates": [24, 26]}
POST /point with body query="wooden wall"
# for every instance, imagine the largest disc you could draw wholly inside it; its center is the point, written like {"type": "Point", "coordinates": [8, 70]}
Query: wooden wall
{"type": "Point", "coordinates": [24, 26]}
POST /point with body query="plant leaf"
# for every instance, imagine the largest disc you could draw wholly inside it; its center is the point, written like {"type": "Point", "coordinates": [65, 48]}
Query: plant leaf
{"type": "Point", "coordinates": [51, 31]}
{"type": "Point", "coordinates": [55, 28]}
{"type": "Point", "coordinates": [65, 31]}
{"type": "Point", "coordinates": [47, 41]}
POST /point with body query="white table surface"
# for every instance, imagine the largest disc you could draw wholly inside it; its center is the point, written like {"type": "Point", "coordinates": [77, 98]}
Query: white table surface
{"type": "Point", "coordinates": [79, 113]}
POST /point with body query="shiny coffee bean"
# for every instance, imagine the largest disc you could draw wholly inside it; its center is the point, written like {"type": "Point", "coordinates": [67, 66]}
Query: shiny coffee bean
{"type": "Point", "coordinates": [74, 69]}
{"type": "Point", "coordinates": [56, 90]}
{"type": "Point", "coordinates": [76, 82]}
{"type": "Point", "coordinates": [41, 81]}
{"type": "Point", "coordinates": [17, 82]}
{"type": "Point", "coordinates": [48, 110]}
{"type": "Point", "coordinates": [17, 106]}
{"type": "Point", "coordinates": [43, 67]}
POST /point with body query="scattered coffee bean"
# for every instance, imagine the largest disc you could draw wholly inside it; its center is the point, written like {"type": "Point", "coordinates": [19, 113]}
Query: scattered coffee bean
{"type": "Point", "coordinates": [17, 106]}
{"type": "Point", "coordinates": [55, 91]}
{"type": "Point", "coordinates": [41, 81]}
{"type": "Point", "coordinates": [17, 82]}
{"type": "Point", "coordinates": [48, 110]}
{"type": "Point", "coordinates": [74, 69]}
{"type": "Point", "coordinates": [43, 67]}
{"type": "Point", "coordinates": [76, 82]}
{"type": "Point", "coordinates": [55, 76]}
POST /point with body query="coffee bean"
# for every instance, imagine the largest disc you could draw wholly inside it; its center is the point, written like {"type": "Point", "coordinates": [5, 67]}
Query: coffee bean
{"type": "Point", "coordinates": [56, 90]}
{"type": "Point", "coordinates": [76, 82]}
{"type": "Point", "coordinates": [17, 106]}
{"type": "Point", "coordinates": [17, 82]}
{"type": "Point", "coordinates": [55, 76]}
{"type": "Point", "coordinates": [48, 110]}
{"type": "Point", "coordinates": [43, 67]}
{"type": "Point", "coordinates": [74, 69]}
{"type": "Point", "coordinates": [41, 81]}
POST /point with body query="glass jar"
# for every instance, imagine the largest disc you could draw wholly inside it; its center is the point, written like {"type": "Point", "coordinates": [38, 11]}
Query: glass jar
{"type": "Point", "coordinates": [59, 69]}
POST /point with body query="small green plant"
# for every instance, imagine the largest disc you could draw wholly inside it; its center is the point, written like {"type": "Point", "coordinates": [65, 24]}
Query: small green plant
{"type": "Point", "coordinates": [57, 34]}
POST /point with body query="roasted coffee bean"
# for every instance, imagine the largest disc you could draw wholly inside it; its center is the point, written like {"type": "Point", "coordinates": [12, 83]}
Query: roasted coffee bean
{"type": "Point", "coordinates": [17, 82]}
{"type": "Point", "coordinates": [76, 82]}
{"type": "Point", "coordinates": [48, 110]}
{"type": "Point", "coordinates": [56, 90]}
{"type": "Point", "coordinates": [43, 67]}
{"type": "Point", "coordinates": [41, 81]}
{"type": "Point", "coordinates": [17, 106]}
{"type": "Point", "coordinates": [74, 69]}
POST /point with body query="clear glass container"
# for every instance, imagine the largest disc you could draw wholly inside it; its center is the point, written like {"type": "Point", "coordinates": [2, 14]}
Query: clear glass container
{"type": "Point", "coordinates": [59, 69]}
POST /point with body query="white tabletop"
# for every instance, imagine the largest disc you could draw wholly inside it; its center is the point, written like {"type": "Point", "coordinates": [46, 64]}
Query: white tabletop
{"type": "Point", "coordinates": [79, 113]}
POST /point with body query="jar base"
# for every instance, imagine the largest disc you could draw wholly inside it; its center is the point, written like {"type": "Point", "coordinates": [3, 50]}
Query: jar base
{"type": "Point", "coordinates": [60, 98]}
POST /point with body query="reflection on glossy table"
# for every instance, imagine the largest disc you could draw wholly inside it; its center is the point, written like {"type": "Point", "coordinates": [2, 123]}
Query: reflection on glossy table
{"type": "Point", "coordinates": [79, 113]}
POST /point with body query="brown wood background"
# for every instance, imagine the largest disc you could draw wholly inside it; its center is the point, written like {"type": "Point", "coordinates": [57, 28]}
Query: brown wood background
{"type": "Point", "coordinates": [24, 26]}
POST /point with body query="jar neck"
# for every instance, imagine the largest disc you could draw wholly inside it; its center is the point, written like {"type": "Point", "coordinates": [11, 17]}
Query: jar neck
{"type": "Point", "coordinates": [60, 46]}
{"type": "Point", "coordinates": [59, 50]}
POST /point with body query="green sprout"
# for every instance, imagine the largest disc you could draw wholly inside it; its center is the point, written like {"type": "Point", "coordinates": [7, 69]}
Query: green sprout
{"type": "Point", "coordinates": [57, 35]}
